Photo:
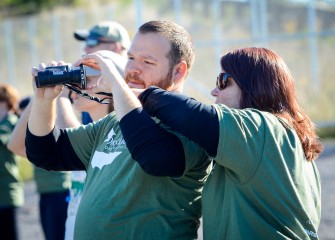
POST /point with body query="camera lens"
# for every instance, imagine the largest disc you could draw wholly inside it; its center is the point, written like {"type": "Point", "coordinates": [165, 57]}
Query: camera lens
{"type": "Point", "coordinates": [61, 74]}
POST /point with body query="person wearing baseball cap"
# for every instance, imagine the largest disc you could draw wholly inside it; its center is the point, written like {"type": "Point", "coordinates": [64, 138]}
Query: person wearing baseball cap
{"type": "Point", "coordinates": [106, 35]}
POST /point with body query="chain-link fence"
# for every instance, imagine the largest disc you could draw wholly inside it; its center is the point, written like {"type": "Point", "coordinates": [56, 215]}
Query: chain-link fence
{"type": "Point", "coordinates": [302, 32]}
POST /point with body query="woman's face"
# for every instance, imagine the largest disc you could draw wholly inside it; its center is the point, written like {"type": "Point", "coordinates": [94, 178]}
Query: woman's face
{"type": "Point", "coordinates": [230, 95]}
{"type": "Point", "coordinates": [83, 104]}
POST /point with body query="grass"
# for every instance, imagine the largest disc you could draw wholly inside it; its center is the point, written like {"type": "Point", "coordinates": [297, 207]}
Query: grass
{"type": "Point", "coordinates": [26, 169]}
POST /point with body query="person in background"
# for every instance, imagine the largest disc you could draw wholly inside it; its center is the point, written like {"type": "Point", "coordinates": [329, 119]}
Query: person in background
{"type": "Point", "coordinates": [105, 35]}
{"type": "Point", "coordinates": [11, 186]}
{"type": "Point", "coordinates": [109, 36]}
{"type": "Point", "coordinates": [53, 187]}
{"type": "Point", "coordinates": [265, 184]}
{"type": "Point", "coordinates": [66, 117]}
{"type": "Point", "coordinates": [96, 111]}
{"type": "Point", "coordinates": [121, 201]}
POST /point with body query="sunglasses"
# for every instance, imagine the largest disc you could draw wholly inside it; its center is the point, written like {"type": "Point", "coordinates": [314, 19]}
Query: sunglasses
{"type": "Point", "coordinates": [95, 42]}
{"type": "Point", "coordinates": [221, 80]}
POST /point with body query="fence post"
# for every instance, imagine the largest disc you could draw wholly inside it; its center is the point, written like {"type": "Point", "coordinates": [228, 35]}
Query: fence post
{"type": "Point", "coordinates": [178, 11]}
{"type": "Point", "coordinates": [255, 32]}
{"type": "Point", "coordinates": [313, 45]}
{"type": "Point", "coordinates": [264, 22]}
{"type": "Point", "coordinates": [57, 38]}
{"type": "Point", "coordinates": [138, 6]}
{"type": "Point", "coordinates": [10, 54]}
{"type": "Point", "coordinates": [216, 7]}
{"type": "Point", "coordinates": [32, 36]}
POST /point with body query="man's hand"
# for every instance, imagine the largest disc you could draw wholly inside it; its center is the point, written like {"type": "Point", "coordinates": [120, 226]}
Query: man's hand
{"type": "Point", "coordinates": [109, 72]}
{"type": "Point", "coordinates": [47, 93]}
{"type": "Point", "coordinates": [43, 111]}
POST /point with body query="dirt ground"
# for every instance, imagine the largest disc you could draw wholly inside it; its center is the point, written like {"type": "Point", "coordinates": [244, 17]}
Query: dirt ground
{"type": "Point", "coordinates": [30, 228]}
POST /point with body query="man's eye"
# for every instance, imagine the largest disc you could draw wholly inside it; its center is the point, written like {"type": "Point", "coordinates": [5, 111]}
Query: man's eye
{"type": "Point", "coordinates": [147, 62]}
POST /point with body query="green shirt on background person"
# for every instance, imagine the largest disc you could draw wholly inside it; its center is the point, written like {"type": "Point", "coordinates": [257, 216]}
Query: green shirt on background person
{"type": "Point", "coordinates": [11, 186]}
{"type": "Point", "coordinates": [51, 181]}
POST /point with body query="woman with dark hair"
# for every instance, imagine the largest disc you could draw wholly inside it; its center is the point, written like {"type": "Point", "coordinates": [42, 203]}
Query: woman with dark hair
{"type": "Point", "coordinates": [265, 184]}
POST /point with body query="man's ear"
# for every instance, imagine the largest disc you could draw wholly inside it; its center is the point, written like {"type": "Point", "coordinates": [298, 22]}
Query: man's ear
{"type": "Point", "coordinates": [179, 72]}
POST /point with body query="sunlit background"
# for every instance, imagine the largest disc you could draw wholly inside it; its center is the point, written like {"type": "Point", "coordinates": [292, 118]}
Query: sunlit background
{"type": "Point", "coordinates": [302, 32]}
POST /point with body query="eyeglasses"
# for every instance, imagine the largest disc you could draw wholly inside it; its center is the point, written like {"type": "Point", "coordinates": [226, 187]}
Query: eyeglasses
{"type": "Point", "coordinates": [95, 42]}
{"type": "Point", "coordinates": [221, 80]}
{"type": "Point", "coordinates": [77, 90]}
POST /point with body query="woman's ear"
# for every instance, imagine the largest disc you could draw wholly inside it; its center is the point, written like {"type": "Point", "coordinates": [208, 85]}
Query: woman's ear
{"type": "Point", "coordinates": [179, 73]}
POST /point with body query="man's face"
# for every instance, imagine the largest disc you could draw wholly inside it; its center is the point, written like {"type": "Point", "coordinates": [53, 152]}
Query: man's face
{"type": "Point", "coordinates": [148, 64]}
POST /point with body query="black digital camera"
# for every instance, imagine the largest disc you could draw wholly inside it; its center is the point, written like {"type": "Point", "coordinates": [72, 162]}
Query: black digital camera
{"type": "Point", "coordinates": [55, 75]}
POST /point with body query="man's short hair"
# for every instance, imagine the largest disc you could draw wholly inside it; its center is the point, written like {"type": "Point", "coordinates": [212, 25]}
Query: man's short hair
{"type": "Point", "coordinates": [181, 42]}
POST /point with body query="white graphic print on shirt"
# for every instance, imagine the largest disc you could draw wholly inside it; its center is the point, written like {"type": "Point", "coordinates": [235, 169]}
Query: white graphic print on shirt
{"type": "Point", "coordinates": [109, 153]}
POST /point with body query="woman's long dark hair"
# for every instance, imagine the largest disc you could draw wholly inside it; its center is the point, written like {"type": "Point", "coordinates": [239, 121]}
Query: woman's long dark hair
{"type": "Point", "coordinates": [268, 85]}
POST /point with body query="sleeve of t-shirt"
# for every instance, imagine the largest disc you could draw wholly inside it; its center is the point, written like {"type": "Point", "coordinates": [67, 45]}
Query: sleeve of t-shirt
{"type": "Point", "coordinates": [158, 152]}
{"type": "Point", "coordinates": [195, 120]}
{"type": "Point", "coordinates": [242, 137]}
{"type": "Point", "coordinates": [84, 139]}
{"type": "Point", "coordinates": [52, 152]}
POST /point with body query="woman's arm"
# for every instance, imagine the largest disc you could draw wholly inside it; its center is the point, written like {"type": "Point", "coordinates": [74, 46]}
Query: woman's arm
{"type": "Point", "coordinates": [158, 152]}
{"type": "Point", "coordinates": [195, 120]}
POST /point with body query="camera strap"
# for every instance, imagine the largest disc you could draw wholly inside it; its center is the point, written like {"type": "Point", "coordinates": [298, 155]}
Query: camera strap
{"type": "Point", "coordinates": [77, 90]}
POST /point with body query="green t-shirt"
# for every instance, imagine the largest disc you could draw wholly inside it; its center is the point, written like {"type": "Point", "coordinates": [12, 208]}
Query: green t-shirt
{"type": "Point", "coordinates": [51, 181]}
{"type": "Point", "coordinates": [121, 201]}
{"type": "Point", "coordinates": [11, 186]}
{"type": "Point", "coordinates": [262, 186]}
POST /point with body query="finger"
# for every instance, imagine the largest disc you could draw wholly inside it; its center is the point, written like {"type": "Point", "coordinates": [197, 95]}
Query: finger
{"type": "Point", "coordinates": [52, 63]}
{"type": "Point", "coordinates": [58, 89]}
{"type": "Point", "coordinates": [34, 71]}
{"type": "Point", "coordinates": [92, 59]}
{"type": "Point", "coordinates": [41, 67]}
{"type": "Point", "coordinates": [62, 63]}
{"type": "Point", "coordinates": [88, 62]}
{"type": "Point", "coordinates": [78, 62]}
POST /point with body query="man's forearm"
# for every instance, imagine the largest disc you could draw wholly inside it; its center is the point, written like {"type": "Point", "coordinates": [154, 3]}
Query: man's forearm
{"type": "Point", "coordinates": [124, 99]}
{"type": "Point", "coordinates": [42, 116]}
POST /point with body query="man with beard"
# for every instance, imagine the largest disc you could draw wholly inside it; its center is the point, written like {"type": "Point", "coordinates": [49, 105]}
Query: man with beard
{"type": "Point", "coordinates": [120, 200]}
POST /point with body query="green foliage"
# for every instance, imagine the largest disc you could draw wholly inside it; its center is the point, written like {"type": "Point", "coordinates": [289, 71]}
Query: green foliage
{"type": "Point", "coordinates": [24, 7]}
{"type": "Point", "coordinates": [326, 133]}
